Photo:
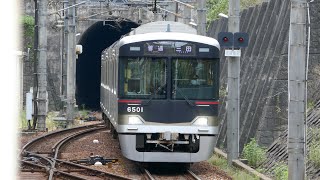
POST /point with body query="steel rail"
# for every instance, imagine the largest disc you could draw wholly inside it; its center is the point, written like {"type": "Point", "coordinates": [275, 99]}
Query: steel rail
{"type": "Point", "coordinates": [194, 176]}
{"type": "Point", "coordinates": [31, 143]}
{"type": "Point", "coordinates": [47, 168]}
{"type": "Point", "coordinates": [56, 147]}
{"type": "Point", "coordinates": [148, 174]}
{"type": "Point", "coordinates": [59, 173]}
{"type": "Point", "coordinates": [62, 142]}
{"type": "Point", "coordinates": [114, 176]}
{"type": "Point", "coordinates": [36, 165]}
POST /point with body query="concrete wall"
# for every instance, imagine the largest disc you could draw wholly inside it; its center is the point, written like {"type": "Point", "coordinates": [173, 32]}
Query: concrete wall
{"type": "Point", "coordinates": [264, 91]}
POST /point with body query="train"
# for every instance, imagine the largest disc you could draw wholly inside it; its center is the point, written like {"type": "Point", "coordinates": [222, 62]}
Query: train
{"type": "Point", "coordinates": [160, 93]}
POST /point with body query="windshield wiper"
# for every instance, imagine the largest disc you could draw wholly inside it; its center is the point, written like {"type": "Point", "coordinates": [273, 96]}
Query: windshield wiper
{"type": "Point", "coordinates": [155, 93]}
{"type": "Point", "coordinates": [184, 96]}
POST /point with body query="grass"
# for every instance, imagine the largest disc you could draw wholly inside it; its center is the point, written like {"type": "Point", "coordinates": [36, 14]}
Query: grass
{"type": "Point", "coordinates": [84, 113]}
{"type": "Point", "coordinates": [234, 172]}
{"type": "Point", "coordinates": [22, 124]}
{"type": "Point", "coordinates": [314, 147]}
{"type": "Point", "coordinates": [280, 171]}
{"type": "Point", "coordinates": [50, 123]}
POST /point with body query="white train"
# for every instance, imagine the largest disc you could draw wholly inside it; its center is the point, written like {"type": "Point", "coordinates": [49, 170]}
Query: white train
{"type": "Point", "coordinates": [160, 93]}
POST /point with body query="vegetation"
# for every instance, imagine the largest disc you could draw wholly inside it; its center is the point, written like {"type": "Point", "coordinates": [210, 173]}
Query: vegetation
{"type": "Point", "coordinates": [222, 6]}
{"type": "Point", "coordinates": [222, 92]}
{"type": "Point", "coordinates": [314, 147]}
{"type": "Point", "coordinates": [280, 171]}
{"type": "Point", "coordinates": [254, 153]}
{"type": "Point", "coordinates": [84, 114]}
{"type": "Point", "coordinates": [310, 105]}
{"type": "Point", "coordinates": [215, 7]}
{"type": "Point", "coordinates": [28, 24]}
{"type": "Point", "coordinates": [50, 124]}
{"type": "Point", "coordinates": [22, 124]}
{"type": "Point", "coordinates": [235, 173]}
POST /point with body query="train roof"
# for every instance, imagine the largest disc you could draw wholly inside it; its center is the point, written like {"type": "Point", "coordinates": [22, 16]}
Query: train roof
{"type": "Point", "coordinates": [165, 36]}
{"type": "Point", "coordinates": [163, 26]}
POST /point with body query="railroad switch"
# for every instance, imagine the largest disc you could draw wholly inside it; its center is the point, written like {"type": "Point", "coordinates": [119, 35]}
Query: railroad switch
{"type": "Point", "coordinates": [93, 159]}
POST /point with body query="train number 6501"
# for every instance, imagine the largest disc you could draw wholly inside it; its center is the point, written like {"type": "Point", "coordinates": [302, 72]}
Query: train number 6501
{"type": "Point", "coordinates": [134, 109]}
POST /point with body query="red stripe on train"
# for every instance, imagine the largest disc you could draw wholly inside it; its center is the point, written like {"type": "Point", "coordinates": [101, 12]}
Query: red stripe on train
{"type": "Point", "coordinates": [206, 102]}
{"type": "Point", "coordinates": [129, 101]}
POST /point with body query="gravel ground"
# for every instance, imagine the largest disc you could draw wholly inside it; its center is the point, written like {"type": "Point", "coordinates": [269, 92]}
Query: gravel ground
{"type": "Point", "coordinates": [107, 147]}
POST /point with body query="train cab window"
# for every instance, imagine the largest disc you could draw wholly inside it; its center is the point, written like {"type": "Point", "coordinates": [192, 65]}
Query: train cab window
{"type": "Point", "coordinates": [141, 78]}
{"type": "Point", "coordinates": [194, 79]}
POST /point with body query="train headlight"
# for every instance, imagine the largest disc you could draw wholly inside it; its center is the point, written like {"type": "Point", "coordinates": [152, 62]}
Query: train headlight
{"type": "Point", "coordinates": [135, 120]}
{"type": "Point", "coordinates": [201, 121]}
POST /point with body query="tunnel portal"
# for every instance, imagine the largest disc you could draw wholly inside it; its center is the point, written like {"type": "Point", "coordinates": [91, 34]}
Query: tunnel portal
{"type": "Point", "coordinates": [95, 39]}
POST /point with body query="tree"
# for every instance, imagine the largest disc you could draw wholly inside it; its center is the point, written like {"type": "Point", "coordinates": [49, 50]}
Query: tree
{"type": "Point", "coordinates": [222, 6]}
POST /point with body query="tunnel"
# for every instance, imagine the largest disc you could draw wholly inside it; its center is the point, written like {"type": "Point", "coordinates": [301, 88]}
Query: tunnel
{"type": "Point", "coordinates": [94, 40]}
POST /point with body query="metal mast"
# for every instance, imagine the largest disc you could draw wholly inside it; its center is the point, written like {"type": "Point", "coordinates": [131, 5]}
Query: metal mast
{"type": "Point", "coordinates": [296, 90]}
{"type": "Point", "coordinates": [41, 99]}
{"type": "Point", "coordinates": [71, 60]}
{"type": "Point", "coordinates": [233, 87]}
{"type": "Point", "coordinates": [64, 57]}
{"type": "Point", "coordinates": [201, 28]}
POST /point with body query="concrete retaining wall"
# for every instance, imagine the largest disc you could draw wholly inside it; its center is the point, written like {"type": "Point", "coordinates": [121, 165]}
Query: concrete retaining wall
{"type": "Point", "coordinates": [264, 87]}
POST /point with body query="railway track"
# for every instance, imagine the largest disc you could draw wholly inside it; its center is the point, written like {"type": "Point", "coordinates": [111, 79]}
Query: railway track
{"type": "Point", "coordinates": [177, 174]}
{"type": "Point", "coordinates": [55, 160]}
{"type": "Point", "coordinates": [43, 144]}
{"type": "Point", "coordinates": [44, 163]}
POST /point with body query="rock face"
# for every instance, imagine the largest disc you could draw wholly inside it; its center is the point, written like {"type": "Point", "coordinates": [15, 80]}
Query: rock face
{"type": "Point", "coordinates": [263, 82]}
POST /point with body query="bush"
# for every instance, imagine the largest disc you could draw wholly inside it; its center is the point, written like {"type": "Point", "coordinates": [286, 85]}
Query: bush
{"type": "Point", "coordinates": [280, 171]}
{"type": "Point", "coordinates": [215, 7]}
{"type": "Point", "coordinates": [314, 147]}
{"type": "Point", "coordinates": [28, 24]}
{"type": "Point", "coordinates": [254, 153]}
{"type": "Point", "coordinates": [222, 6]}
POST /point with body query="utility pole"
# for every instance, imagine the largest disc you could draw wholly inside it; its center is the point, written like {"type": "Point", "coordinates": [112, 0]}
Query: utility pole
{"type": "Point", "coordinates": [187, 14]}
{"type": "Point", "coordinates": [41, 98]}
{"type": "Point", "coordinates": [71, 60]}
{"type": "Point", "coordinates": [64, 57]}
{"type": "Point", "coordinates": [201, 28]}
{"type": "Point", "coordinates": [296, 90]}
{"type": "Point", "coordinates": [233, 87]}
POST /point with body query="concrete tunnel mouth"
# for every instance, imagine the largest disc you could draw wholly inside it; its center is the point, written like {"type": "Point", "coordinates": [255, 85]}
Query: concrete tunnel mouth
{"type": "Point", "coordinates": [94, 40]}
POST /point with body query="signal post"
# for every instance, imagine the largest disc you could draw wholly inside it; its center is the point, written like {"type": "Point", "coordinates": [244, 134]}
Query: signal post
{"type": "Point", "coordinates": [233, 40]}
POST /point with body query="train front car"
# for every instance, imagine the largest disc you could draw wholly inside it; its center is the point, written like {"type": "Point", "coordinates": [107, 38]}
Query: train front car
{"type": "Point", "coordinates": [168, 96]}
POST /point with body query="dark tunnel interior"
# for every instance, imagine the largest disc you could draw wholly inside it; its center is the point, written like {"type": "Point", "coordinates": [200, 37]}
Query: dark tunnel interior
{"type": "Point", "coordinates": [95, 39]}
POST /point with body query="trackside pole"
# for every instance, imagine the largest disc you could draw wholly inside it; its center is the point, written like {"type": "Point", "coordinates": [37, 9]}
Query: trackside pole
{"type": "Point", "coordinates": [233, 87]}
{"type": "Point", "coordinates": [296, 90]}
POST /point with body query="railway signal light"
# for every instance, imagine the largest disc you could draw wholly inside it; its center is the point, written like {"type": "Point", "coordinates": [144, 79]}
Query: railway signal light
{"type": "Point", "coordinates": [240, 40]}
{"type": "Point", "coordinates": [225, 39]}
{"type": "Point", "coordinates": [236, 40]}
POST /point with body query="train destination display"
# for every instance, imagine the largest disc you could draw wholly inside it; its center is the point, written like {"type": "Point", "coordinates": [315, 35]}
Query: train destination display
{"type": "Point", "coordinates": [170, 48]}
